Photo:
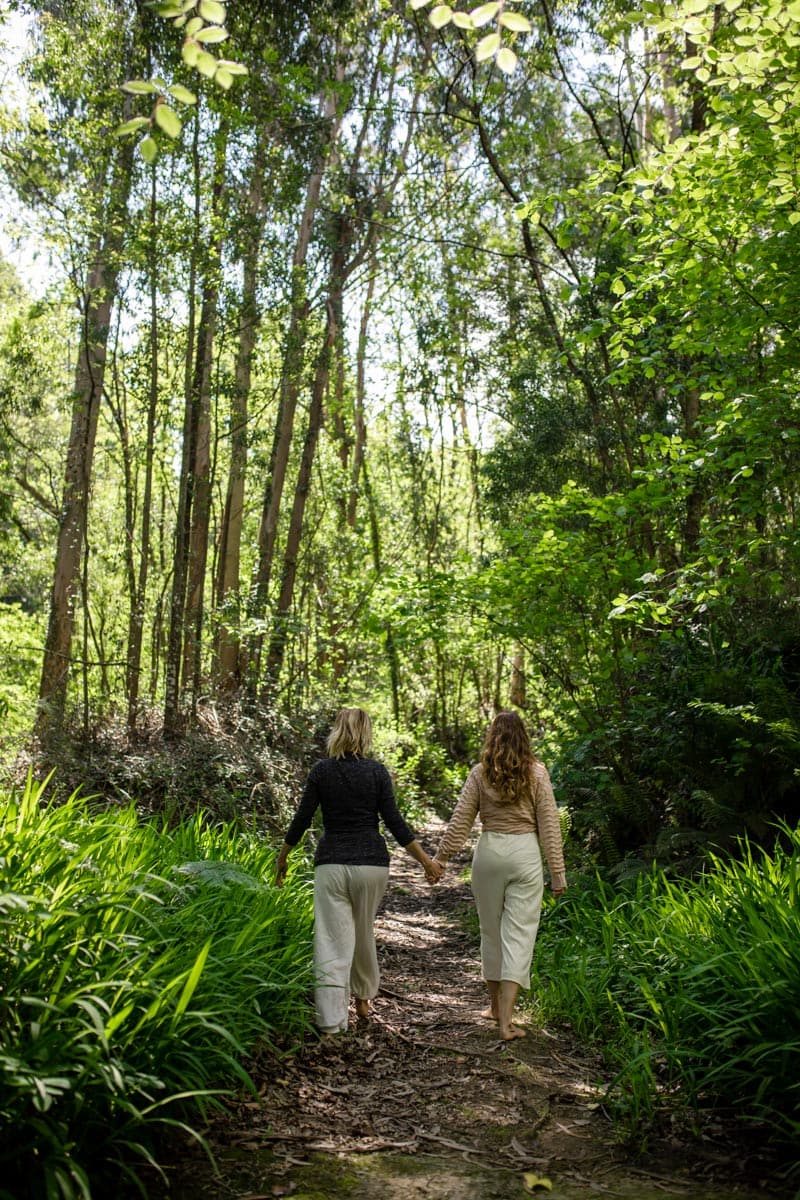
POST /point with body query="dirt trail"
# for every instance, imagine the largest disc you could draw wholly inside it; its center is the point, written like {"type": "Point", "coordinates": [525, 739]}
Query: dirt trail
{"type": "Point", "coordinates": [426, 1102]}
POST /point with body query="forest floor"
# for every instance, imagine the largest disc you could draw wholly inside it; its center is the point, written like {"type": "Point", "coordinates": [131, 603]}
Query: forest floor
{"type": "Point", "coordinates": [426, 1103]}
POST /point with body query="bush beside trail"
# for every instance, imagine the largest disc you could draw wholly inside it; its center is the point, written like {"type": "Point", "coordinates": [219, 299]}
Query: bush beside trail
{"type": "Point", "coordinates": [689, 987]}
{"type": "Point", "coordinates": [141, 966]}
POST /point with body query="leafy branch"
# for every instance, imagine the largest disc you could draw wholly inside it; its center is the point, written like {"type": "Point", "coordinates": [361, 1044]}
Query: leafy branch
{"type": "Point", "coordinates": [202, 23]}
{"type": "Point", "coordinates": [490, 47]}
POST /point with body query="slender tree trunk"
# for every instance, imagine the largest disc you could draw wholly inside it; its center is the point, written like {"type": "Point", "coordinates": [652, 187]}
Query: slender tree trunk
{"type": "Point", "coordinates": [228, 585]}
{"type": "Point", "coordinates": [518, 690]}
{"type": "Point", "coordinates": [136, 620]}
{"type": "Point", "coordinates": [180, 560]}
{"type": "Point", "coordinates": [201, 398]}
{"type": "Point", "coordinates": [98, 302]}
{"type": "Point", "coordinates": [360, 443]}
{"type": "Point", "coordinates": [291, 382]}
{"type": "Point", "coordinates": [277, 645]}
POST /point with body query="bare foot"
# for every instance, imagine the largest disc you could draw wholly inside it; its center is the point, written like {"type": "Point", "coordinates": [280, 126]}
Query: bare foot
{"type": "Point", "coordinates": [512, 1032]}
{"type": "Point", "coordinates": [362, 1010]}
{"type": "Point", "coordinates": [489, 1013]}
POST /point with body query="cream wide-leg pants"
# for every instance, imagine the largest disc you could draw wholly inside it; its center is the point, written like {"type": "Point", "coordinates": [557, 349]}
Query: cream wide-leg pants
{"type": "Point", "coordinates": [346, 900]}
{"type": "Point", "coordinates": [508, 885]}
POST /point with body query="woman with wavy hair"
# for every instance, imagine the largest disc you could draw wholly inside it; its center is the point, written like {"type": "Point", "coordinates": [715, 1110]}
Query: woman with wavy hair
{"type": "Point", "coordinates": [510, 790]}
{"type": "Point", "coordinates": [351, 866]}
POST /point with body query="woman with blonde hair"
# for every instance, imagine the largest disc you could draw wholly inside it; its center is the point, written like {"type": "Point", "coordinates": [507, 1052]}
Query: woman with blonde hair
{"type": "Point", "coordinates": [511, 791]}
{"type": "Point", "coordinates": [351, 866]}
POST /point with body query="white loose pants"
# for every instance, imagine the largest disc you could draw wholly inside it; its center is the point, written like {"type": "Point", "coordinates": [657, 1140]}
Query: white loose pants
{"type": "Point", "coordinates": [508, 885]}
{"type": "Point", "coordinates": [346, 899]}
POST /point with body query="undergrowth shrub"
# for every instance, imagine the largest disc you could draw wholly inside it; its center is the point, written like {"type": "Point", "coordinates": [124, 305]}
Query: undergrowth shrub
{"type": "Point", "coordinates": [21, 635]}
{"type": "Point", "coordinates": [232, 763]}
{"type": "Point", "coordinates": [425, 776]}
{"type": "Point", "coordinates": [140, 966]}
{"type": "Point", "coordinates": [704, 747]}
{"type": "Point", "coordinates": [689, 987]}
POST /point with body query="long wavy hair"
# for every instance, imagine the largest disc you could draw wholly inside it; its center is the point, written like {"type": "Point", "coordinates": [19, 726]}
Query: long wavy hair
{"type": "Point", "coordinates": [351, 733]}
{"type": "Point", "coordinates": [507, 758]}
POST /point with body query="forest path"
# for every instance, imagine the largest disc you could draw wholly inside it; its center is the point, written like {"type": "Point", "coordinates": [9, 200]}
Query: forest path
{"type": "Point", "coordinates": [426, 1102]}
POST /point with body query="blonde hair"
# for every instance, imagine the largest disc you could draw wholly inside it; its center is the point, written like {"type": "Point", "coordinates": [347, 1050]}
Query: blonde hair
{"type": "Point", "coordinates": [351, 733]}
{"type": "Point", "coordinates": [507, 758]}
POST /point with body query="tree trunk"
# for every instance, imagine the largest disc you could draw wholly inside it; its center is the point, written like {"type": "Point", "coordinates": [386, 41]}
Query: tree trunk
{"type": "Point", "coordinates": [518, 692]}
{"type": "Point", "coordinates": [98, 301]}
{"type": "Point", "coordinates": [277, 645]}
{"type": "Point", "coordinates": [228, 584]}
{"type": "Point", "coordinates": [180, 558]}
{"type": "Point", "coordinates": [291, 381]}
{"type": "Point", "coordinates": [136, 619]}
{"type": "Point", "coordinates": [201, 506]}
{"type": "Point", "coordinates": [359, 419]}
{"type": "Point", "coordinates": [194, 498]}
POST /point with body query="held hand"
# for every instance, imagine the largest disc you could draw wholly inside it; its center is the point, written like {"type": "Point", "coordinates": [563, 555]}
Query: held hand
{"type": "Point", "coordinates": [434, 871]}
{"type": "Point", "coordinates": [280, 874]}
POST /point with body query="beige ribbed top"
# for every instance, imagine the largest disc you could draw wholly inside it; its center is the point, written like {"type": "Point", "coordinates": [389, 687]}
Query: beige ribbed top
{"type": "Point", "coordinates": [539, 816]}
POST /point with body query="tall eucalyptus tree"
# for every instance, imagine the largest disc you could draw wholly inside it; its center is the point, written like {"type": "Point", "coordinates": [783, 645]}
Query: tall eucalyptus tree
{"type": "Point", "coordinates": [68, 162]}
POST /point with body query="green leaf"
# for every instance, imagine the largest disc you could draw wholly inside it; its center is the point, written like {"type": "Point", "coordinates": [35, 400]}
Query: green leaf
{"type": "Point", "coordinates": [193, 26]}
{"type": "Point", "coordinates": [193, 980]}
{"type": "Point", "coordinates": [415, 4]}
{"type": "Point", "coordinates": [168, 120]}
{"type": "Point", "coordinates": [484, 13]}
{"type": "Point", "coordinates": [182, 94]}
{"type": "Point", "coordinates": [169, 10]}
{"type": "Point", "coordinates": [506, 60]}
{"type": "Point", "coordinates": [206, 64]}
{"type": "Point", "coordinates": [223, 78]}
{"type": "Point", "coordinates": [190, 52]}
{"type": "Point", "coordinates": [515, 21]}
{"type": "Point", "coordinates": [487, 47]}
{"type": "Point", "coordinates": [211, 33]}
{"type": "Point", "coordinates": [233, 68]}
{"type": "Point", "coordinates": [211, 10]}
{"type": "Point", "coordinates": [462, 20]}
{"type": "Point", "coordinates": [139, 87]}
{"type": "Point", "coordinates": [148, 150]}
{"type": "Point", "coordinates": [618, 287]}
{"type": "Point", "coordinates": [441, 16]}
{"type": "Point", "coordinates": [131, 126]}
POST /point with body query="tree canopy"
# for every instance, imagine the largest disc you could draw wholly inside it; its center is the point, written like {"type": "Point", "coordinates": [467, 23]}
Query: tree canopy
{"type": "Point", "coordinates": [439, 358]}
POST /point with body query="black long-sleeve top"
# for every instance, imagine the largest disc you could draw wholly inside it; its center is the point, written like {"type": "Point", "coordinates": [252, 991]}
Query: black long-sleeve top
{"type": "Point", "coordinates": [352, 793]}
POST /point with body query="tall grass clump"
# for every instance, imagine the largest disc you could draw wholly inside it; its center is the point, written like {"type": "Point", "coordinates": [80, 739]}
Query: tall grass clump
{"type": "Point", "coordinates": [689, 987]}
{"type": "Point", "coordinates": [139, 967]}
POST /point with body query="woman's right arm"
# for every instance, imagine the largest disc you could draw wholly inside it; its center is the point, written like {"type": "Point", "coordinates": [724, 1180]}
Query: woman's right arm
{"type": "Point", "coordinates": [462, 820]}
{"type": "Point", "coordinates": [309, 802]}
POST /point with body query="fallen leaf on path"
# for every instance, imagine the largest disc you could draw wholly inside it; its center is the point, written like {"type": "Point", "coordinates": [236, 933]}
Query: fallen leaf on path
{"type": "Point", "coordinates": [532, 1182]}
